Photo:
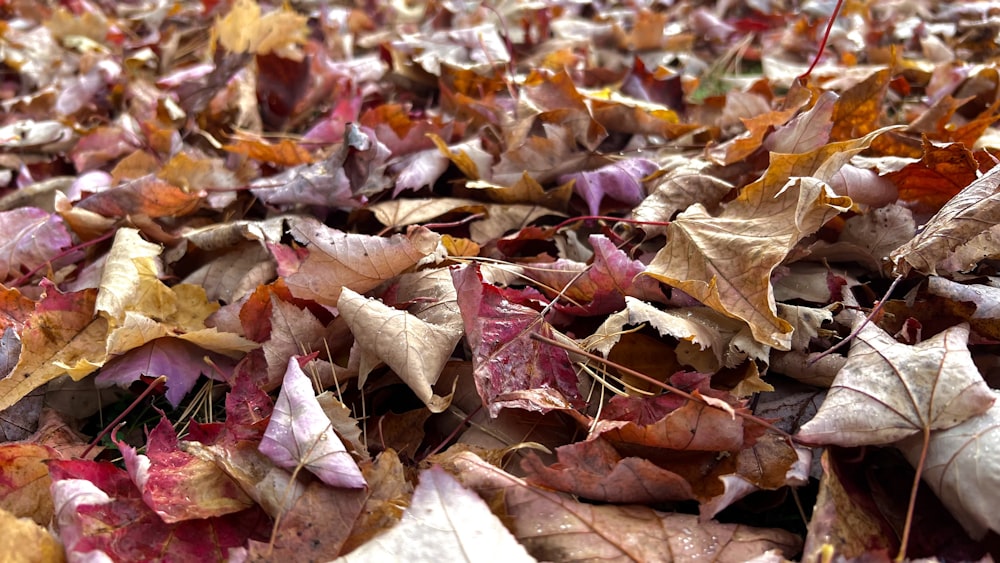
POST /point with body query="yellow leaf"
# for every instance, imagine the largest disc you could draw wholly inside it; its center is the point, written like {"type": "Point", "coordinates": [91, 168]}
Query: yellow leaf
{"type": "Point", "coordinates": [245, 30]}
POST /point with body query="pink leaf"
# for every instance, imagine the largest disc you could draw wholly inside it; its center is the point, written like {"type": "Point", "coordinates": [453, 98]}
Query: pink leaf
{"type": "Point", "coordinates": [99, 511]}
{"type": "Point", "coordinates": [30, 237]}
{"type": "Point", "coordinates": [299, 434]}
{"type": "Point", "coordinates": [177, 485]}
{"type": "Point", "coordinates": [181, 361]}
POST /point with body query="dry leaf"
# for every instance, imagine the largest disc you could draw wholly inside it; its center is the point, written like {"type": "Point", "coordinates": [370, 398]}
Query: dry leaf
{"type": "Point", "coordinates": [444, 522]}
{"type": "Point", "coordinates": [888, 391]}
{"type": "Point", "coordinates": [416, 350]}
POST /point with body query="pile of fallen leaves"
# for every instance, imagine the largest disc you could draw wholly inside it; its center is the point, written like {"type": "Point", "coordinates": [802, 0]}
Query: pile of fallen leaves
{"type": "Point", "coordinates": [501, 280]}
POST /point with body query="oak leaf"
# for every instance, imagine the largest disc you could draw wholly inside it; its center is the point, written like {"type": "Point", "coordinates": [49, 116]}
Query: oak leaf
{"type": "Point", "coordinates": [888, 391]}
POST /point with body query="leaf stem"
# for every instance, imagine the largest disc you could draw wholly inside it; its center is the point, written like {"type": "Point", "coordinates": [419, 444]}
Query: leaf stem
{"type": "Point", "coordinates": [901, 556]}
{"type": "Point", "coordinates": [822, 44]}
{"type": "Point", "coordinates": [854, 333]}
{"type": "Point", "coordinates": [66, 252]}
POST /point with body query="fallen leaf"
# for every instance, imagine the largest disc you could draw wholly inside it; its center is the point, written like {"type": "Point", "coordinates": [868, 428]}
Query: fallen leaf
{"type": "Point", "coordinates": [27, 541]}
{"type": "Point", "coordinates": [62, 331]}
{"type": "Point", "coordinates": [360, 262]}
{"type": "Point", "coordinates": [595, 471]}
{"type": "Point", "coordinates": [177, 485]}
{"type": "Point", "coordinates": [100, 512]}
{"type": "Point", "coordinates": [511, 369]}
{"type": "Point", "coordinates": [888, 391]}
{"type": "Point", "coordinates": [726, 261]}
{"type": "Point", "coordinates": [555, 527]}
{"type": "Point", "coordinates": [416, 350]}
{"type": "Point", "coordinates": [959, 466]}
{"type": "Point", "coordinates": [971, 212]}
{"type": "Point", "coordinates": [444, 521]}
{"type": "Point", "coordinates": [31, 238]}
{"type": "Point", "coordinates": [300, 435]}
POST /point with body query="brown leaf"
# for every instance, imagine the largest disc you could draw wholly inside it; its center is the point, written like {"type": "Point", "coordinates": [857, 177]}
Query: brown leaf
{"type": "Point", "coordinates": [594, 470]}
{"type": "Point", "coordinates": [359, 262]}
{"type": "Point", "coordinates": [971, 212]}
{"type": "Point", "coordinates": [554, 527]}
{"type": "Point", "coordinates": [888, 391]}
{"type": "Point", "coordinates": [726, 261]}
{"type": "Point", "coordinates": [416, 350]}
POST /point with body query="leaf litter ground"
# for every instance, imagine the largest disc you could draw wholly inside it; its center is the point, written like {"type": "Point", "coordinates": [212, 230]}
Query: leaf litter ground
{"type": "Point", "coordinates": [445, 281]}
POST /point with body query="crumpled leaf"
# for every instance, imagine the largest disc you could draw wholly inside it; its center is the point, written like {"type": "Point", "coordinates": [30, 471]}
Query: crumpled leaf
{"type": "Point", "coordinates": [726, 261]}
{"type": "Point", "coordinates": [960, 469]}
{"type": "Point", "coordinates": [970, 213]}
{"type": "Point", "coordinates": [299, 434]}
{"type": "Point", "coordinates": [511, 369]}
{"type": "Point", "coordinates": [888, 391]}
{"type": "Point", "coordinates": [416, 350]}
{"type": "Point", "coordinates": [360, 262]}
{"type": "Point", "coordinates": [444, 522]}
{"type": "Point", "coordinates": [555, 527]}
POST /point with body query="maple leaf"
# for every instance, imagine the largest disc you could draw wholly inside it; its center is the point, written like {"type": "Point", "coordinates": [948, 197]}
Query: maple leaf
{"type": "Point", "coordinates": [602, 286]}
{"type": "Point", "coordinates": [299, 434]}
{"type": "Point", "coordinates": [444, 520]}
{"type": "Point", "coordinates": [177, 485]}
{"type": "Point", "coordinates": [972, 211]}
{"type": "Point", "coordinates": [32, 238]}
{"type": "Point", "coordinates": [594, 470]}
{"type": "Point", "coordinates": [511, 369]}
{"type": "Point", "coordinates": [62, 331]}
{"type": "Point", "coordinates": [959, 466]}
{"type": "Point", "coordinates": [181, 361]}
{"type": "Point", "coordinates": [100, 512]}
{"type": "Point", "coordinates": [550, 525]}
{"type": "Point", "coordinates": [416, 350]}
{"type": "Point", "coordinates": [360, 262]}
{"type": "Point", "coordinates": [888, 391]}
{"type": "Point", "coordinates": [726, 261]}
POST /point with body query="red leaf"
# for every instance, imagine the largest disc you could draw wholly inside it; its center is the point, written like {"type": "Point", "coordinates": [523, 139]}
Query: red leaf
{"type": "Point", "coordinates": [511, 369]}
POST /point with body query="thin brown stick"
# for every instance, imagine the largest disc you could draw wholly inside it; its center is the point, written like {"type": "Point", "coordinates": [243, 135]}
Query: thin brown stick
{"type": "Point", "coordinates": [854, 333]}
{"type": "Point", "coordinates": [913, 496]}
{"type": "Point", "coordinates": [156, 383]}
